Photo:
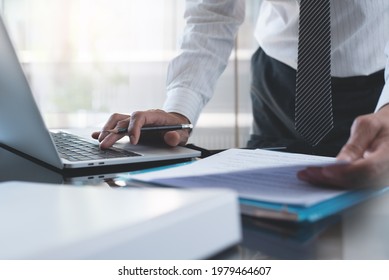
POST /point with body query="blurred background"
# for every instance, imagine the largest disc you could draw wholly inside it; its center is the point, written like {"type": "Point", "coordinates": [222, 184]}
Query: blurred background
{"type": "Point", "coordinates": [86, 59]}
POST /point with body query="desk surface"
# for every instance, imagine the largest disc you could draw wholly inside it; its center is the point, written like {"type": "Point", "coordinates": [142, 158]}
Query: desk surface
{"type": "Point", "coordinates": [359, 233]}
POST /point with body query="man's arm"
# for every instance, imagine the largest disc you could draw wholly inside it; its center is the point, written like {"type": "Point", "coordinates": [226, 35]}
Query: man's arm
{"type": "Point", "coordinates": [205, 48]}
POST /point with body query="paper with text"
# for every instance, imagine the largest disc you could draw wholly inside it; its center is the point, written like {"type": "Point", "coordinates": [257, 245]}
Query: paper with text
{"type": "Point", "coordinates": [262, 175]}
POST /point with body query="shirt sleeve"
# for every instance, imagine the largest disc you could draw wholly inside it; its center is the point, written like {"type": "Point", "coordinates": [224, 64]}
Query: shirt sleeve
{"type": "Point", "coordinates": [207, 42]}
{"type": "Point", "coordinates": [384, 98]}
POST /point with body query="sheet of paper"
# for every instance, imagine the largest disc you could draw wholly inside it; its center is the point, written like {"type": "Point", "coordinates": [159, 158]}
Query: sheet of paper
{"type": "Point", "coordinates": [255, 174]}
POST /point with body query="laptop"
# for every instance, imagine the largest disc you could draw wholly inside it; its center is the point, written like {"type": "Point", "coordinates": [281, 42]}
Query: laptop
{"type": "Point", "coordinates": [22, 127]}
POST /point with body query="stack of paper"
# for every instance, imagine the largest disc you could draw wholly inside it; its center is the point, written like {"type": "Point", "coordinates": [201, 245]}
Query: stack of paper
{"type": "Point", "coordinates": [265, 181]}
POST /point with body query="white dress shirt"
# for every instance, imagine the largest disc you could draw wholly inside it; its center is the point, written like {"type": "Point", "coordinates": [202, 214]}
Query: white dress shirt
{"type": "Point", "coordinates": [359, 35]}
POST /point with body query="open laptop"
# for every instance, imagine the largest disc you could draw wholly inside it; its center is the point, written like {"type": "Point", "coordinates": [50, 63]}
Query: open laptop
{"type": "Point", "coordinates": [23, 129]}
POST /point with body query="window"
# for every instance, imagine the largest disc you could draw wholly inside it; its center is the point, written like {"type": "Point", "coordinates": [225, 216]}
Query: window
{"type": "Point", "coordinates": [86, 59]}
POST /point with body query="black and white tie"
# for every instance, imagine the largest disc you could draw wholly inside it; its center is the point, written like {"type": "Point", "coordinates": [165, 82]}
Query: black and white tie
{"type": "Point", "coordinates": [313, 105]}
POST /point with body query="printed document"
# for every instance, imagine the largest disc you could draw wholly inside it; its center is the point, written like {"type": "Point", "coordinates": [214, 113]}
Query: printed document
{"type": "Point", "coordinates": [260, 175]}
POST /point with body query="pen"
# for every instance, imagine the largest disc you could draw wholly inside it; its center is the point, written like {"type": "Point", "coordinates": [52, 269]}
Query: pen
{"type": "Point", "coordinates": [274, 148]}
{"type": "Point", "coordinates": [153, 128]}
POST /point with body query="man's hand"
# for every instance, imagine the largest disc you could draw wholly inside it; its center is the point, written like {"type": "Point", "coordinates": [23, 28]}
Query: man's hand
{"type": "Point", "coordinates": [366, 154]}
{"type": "Point", "coordinates": [139, 119]}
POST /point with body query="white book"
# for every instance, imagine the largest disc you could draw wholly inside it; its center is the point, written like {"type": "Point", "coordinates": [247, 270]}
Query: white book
{"type": "Point", "coordinates": [42, 221]}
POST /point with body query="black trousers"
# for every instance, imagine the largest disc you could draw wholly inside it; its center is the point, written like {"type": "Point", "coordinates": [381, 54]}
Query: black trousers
{"type": "Point", "coordinates": [273, 96]}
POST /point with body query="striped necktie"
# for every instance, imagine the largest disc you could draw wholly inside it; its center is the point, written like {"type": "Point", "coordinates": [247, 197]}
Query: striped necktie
{"type": "Point", "coordinates": [313, 104]}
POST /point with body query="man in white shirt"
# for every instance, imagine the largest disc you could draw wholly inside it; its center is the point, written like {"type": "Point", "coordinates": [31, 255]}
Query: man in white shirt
{"type": "Point", "coordinates": [358, 36]}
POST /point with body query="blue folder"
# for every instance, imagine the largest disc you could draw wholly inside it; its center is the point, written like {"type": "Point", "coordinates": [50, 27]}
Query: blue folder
{"type": "Point", "coordinates": [295, 213]}
{"type": "Point", "coordinates": [307, 214]}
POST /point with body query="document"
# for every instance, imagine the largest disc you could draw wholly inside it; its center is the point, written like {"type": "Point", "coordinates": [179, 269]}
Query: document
{"type": "Point", "coordinates": [259, 175]}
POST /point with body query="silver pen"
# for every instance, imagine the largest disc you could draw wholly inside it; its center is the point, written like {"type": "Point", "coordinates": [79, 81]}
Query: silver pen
{"type": "Point", "coordinates": [118, 130]}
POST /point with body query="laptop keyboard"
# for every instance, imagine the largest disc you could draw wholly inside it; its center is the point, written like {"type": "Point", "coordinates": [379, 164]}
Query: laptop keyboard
{"type": "Point", "coordinates": [74, 148]}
